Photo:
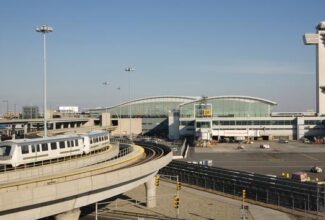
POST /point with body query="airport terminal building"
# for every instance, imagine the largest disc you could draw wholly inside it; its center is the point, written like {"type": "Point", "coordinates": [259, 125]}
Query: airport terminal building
{"type": "Point", "coordinates": [215, 118]}
{"type": "Point", "coordinates": [221, 117]}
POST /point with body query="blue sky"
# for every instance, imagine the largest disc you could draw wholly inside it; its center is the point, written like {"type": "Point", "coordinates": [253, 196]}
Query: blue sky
{"type": "Point", "coordinates": [178, 47]}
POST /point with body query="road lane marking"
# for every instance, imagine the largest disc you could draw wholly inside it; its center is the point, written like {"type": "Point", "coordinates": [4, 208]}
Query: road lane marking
{"type": "Point", "coordinates": [310, 157]}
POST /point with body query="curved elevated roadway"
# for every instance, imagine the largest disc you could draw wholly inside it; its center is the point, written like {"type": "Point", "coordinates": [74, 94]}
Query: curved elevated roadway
{"type": "Point", "coordinates": [62, 194]}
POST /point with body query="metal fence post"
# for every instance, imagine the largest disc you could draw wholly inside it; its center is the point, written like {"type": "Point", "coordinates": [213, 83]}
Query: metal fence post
{"type": "Point", "coordinates": [223, 186]}
{"type": "Point", "coordinates": [96, 211]}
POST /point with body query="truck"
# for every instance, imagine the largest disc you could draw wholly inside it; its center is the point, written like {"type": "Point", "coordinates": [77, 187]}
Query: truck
{"type": "Point", "coordinates": [300, 176]}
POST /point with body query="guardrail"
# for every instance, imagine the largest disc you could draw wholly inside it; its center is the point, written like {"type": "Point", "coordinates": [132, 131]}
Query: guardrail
{"type": "Point", "coordinates": [303, 196]}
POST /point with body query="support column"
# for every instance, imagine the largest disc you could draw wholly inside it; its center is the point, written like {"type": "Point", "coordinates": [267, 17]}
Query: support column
{"type": "Point", "coordinates": [13, 132]}
{"type": "Point", "coordinates": [69, 215]}
{"type": "Point", "coordinates": [62, 126]}
{"type": "Point", "coordinates": [54, 125]}
{"type": "Point", "coordinates": [25, 128]}
{"type": "Point", "coordinates": [151, 193]}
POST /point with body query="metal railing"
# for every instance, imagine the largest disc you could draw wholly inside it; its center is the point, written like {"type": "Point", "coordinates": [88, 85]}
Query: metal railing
{"type": "Point", "coordinates": [277, 192]}
{"type": "Point", "coordinates": [47, 168]}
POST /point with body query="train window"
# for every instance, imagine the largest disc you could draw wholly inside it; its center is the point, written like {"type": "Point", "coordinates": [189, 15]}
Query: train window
{"type": "Point", "coordinates": [76, 143]}
{"type": "Point", "coordinates": [38, 148]}
{"type": "Point", "coordinates": [45, 147]}
{"type": "Point", "coordinates": [62, 144]}
{"type": "Point", "coordinates": [33, 148]}
{"type": "Point", "coordinates": [5, 150]}
{"type": "Point", "coordinates": [24, 149]}
{"type": "Point", "coordinates": [53, 146]}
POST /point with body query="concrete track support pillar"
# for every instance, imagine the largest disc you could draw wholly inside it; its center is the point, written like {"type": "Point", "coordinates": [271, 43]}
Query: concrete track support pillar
{"type": "Point", "coordinates": [151, 193]}
{"type": "Point", "coordinates": [69, 215]}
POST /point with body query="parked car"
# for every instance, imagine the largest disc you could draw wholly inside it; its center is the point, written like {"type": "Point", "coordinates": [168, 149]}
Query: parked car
{"type": "Point", "coordinates": [300, 176]}
{"type": "Point", "coordinates": [316, 169]}
{"type": "Point", "coordinates": [283, 141]}
{"type": "Point", "coordinates": [265, 146]}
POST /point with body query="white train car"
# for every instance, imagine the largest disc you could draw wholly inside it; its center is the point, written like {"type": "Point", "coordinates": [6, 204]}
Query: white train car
{"type": "Point", "coordinates": [24, 151]}
{"type": "Point", "coordinates": [95, 140]}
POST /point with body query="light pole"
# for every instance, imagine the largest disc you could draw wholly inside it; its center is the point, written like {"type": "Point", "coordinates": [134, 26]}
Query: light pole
{"type": "Point", "coordinates": [106, 83]}
{"type": "Point", "coordinates": [7, 102]}
{"type": "Point", "coordinates": [120, 121]}
{"type": "Point", "coordinates": [130, 69]}
{"type": "Point", "coordinates": [44, 29]}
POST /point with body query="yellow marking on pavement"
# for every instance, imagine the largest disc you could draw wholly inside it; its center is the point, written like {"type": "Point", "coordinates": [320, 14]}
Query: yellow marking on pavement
{"type": "Point", "coordinates": [309, 157]}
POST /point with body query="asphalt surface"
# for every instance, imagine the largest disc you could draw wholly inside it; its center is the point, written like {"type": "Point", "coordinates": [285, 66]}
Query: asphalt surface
{"type": "Point", "coordinates": [289, 158]}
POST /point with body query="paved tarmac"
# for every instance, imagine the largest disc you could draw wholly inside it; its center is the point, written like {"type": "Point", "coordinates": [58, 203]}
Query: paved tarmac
{"type": "Point", "coordinates": [194, 205]}
{"type": "Point", "coordinates": [291, 157]}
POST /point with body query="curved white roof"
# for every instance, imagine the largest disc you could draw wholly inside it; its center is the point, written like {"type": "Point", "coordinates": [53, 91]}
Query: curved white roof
{"type": "Point", "coordinates": [157, 99]}
{"type": "Point", "coordinates": [235, 97]}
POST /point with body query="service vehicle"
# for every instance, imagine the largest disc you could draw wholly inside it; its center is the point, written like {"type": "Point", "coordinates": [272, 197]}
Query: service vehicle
{"type": "Point", "coordinates": [300, 176]}
{"type": "Point", "coordinates": [265, 146]}
{"type": "Point", "coordinates": [316, 169]}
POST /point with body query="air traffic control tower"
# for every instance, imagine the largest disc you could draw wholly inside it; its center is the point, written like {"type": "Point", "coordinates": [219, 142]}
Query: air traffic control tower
{"type": "Point", "coordinates": [318, 39]}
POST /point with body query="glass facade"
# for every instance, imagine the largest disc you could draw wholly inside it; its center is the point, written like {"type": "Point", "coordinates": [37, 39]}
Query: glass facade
{"type": "Point", "coordinates": [152, 107]}
{"type": "Point", "coordinates": [230, 107]}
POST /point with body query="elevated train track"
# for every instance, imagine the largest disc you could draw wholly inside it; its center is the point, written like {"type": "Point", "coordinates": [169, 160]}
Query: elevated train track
{"type": "Point", "coordinates": [53, 194]}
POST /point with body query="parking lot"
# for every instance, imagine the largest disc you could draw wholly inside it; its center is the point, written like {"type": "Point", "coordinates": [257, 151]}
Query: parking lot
{"type": "Point", "coordinates": [281, 157]}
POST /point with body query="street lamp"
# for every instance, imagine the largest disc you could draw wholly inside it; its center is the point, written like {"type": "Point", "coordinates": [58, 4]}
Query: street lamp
{"type": "Point", "coordinates": [120, 121]}
{"type": "Point", "coordinates": [130, 69]}
{"type": "Point", "coordinates": [7, 102]}
{"type": "Point", "coordinates": [106, 83]}
{"type": "Point", "coordinates": [44, 29]}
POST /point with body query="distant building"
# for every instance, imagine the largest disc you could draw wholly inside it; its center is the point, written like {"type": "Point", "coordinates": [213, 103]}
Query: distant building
{"type": "Point", "coordinates": [30, 112]}
{"type": "Point", "coordinates": [67, 112]}
{"type": "Point", "coordinates": [69, 109]}
{"type": "Point", "coordinates": [11, 115]}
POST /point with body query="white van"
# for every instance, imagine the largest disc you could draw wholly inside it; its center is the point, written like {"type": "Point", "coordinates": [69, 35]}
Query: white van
{"type": "Point", "coordinates": [265, 146]}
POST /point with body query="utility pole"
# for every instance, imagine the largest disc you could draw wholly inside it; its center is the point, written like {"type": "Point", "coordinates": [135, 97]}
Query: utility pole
{"type": "Point", "coordinates": [44, 29]}
{"type": "Point", "coordinates": [130, 69]}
